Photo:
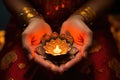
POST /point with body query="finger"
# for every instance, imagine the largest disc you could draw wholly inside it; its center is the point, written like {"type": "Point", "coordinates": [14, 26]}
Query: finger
{"type": "Point", "coordinates": [39, 59]}
{"type": "Point", "coordinates": [71, 63]}
{"type": "Point", "coordinates": [45, 63]}
{"type": "Point", "coordinates": [30, 52]}
{"type": "Point", "coordinates": [81, 49]}
{"type": "Point", "coordinates": [26, 42]}
{"type": "Point", "coordinates": [54, 68]}
{"type": "Point", "coordinates": [37, 37]}
{"type": "Point", "coordinates": [87, 40]}
{"type": "Point", "coordinates": [49, 30]}
{"type": "Point", "coordinates": [63, 29]}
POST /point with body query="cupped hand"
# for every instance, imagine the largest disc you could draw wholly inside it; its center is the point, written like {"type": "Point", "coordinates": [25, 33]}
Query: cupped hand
{"type": "Point", "coordinates": [31, 38]}
{"type": "Point", "coordinates": [82, 36]}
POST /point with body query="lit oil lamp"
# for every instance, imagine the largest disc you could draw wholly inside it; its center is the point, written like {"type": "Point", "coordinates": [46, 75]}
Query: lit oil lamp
{"type": "Point", "coordinates": [57, 48]}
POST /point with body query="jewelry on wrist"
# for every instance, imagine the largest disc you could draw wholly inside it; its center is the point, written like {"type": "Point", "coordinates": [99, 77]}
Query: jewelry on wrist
{"type": "Point", "coordinates": [87, 13]}
{"type": "Point", "coordinates": [28, 13]}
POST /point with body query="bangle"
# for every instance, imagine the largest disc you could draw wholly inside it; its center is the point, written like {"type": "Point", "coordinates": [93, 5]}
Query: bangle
{"type": "Point", "coordinates": [88, 14]}
{"type": "Point", "coordinates": [28, 13]}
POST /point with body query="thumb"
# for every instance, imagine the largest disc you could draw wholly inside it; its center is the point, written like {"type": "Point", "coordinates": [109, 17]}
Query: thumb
{"type": "Point", "coordinates": [84, 52]}
{"type": "Point", "coordinates": [30, 53]}
{"type": "Point", "coordinates": [62, 31]}
{"type": "Point", "coordinates": [26, 43]}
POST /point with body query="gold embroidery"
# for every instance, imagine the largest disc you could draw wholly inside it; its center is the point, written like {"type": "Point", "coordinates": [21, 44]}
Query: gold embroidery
{"type": "Point", "coordinates": [21, 65]}
{"type": "Point", "coordinates": [95, 48]}
{"type": "Point", "coordinates": [10, 78]}
{"type": "Point", "coordinates": [85, 70]}
{"type": "Point", "coordinates": [9, 58]}
{"type": "Point", "coordinates": [114, 64]}
{"type": "Point", "coordinates": [101, 70]}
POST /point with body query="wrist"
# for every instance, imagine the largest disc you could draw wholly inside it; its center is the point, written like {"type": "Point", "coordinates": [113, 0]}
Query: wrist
{"type": "Point", "coordinates": [87, 14]}
{"type": "Point", "coordinates": [37, 18]}
{"type": "Point", "coordinates": [29, 13]}
{"type": "Point", "coordinates": [79, 17]}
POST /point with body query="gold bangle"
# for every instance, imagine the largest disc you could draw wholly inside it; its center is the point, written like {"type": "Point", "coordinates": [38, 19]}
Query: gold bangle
{"type": "Point", "coordinates": [88, 14]}
{"type": "Point", "coordinates": [28, 13]}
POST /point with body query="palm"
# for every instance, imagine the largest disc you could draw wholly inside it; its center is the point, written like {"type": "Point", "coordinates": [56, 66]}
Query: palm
{"type": "Point", "coordinates": [31, 38]}
{"type": "Point", "coordinates": [82, 39]}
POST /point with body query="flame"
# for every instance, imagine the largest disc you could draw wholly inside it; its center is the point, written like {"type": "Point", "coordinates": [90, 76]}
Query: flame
{"type": "Point", "coordinates": [57, 50]}
{"type": "Point", "coordinates": [56, 47]}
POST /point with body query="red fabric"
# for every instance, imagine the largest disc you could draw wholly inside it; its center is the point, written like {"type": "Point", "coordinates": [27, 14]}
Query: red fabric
{"type": "Point", "coordinates": [99, 59]}
{"type": "Point", "coordinates": [14, 71]}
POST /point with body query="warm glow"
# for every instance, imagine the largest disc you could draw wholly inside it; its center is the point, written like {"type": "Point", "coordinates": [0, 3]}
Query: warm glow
{"type": "Point", "coordinates": [57, 47]}
{"type": "Point", "coordinates": [57, 50]}
{"type": "Point", "coordinates": [57, 8]}
{"type": "Point", "coordinates": [63, 6]}
{"type": "Point", "coordinates": [2, 39]}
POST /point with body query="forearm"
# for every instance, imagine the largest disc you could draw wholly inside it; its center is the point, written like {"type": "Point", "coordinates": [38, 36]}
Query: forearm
{"type": "Point", "coordinates": [21, 9]}
{"type": "Point", "coordinates": [100, 6]}
{"type": "Point", "coordinates": [93, 9]}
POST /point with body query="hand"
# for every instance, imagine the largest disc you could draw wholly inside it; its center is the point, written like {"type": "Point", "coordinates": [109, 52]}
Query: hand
{"type": "Point", "coordinates": [31, 38]}
{"type": "Point", "coordinates": [82, 36]}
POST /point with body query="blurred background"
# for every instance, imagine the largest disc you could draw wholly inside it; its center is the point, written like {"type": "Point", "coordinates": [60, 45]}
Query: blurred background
{"type": "Point", "coordinates": [4, 16]}
{"type": "Point", "coordinates": [4, 19]}
{"type": "Point", "coordinates": [113, 19]}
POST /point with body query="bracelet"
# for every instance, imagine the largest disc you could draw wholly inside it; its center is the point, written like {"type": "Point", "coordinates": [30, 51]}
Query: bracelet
{"type": "Point", "coordinates": [88, 14]}
{"type": "Point", "coordinates": [28, 13]}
